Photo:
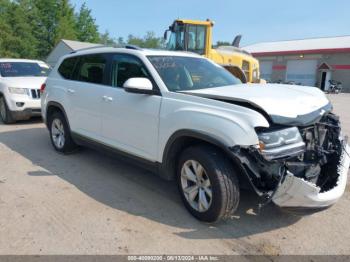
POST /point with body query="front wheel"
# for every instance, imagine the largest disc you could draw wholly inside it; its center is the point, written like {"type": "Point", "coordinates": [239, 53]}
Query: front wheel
{"type": "Point", "coordinates": [208, 184]}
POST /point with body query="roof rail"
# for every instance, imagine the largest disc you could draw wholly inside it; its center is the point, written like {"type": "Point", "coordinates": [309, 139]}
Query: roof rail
{"type": "Point", "coordinates": [88, 48]}
{"type": "Point", "coordinates": [134, 47]}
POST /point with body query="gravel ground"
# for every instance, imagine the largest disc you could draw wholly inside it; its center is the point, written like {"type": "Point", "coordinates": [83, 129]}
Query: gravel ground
{"type": "Point", "coordinates": [88, 203]}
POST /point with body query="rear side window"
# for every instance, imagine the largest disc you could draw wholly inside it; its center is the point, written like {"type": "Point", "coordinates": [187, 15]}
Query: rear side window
{"type": "Point", "coordinates": [67, 67]}
{"type": "Point", "coordinates": [91, 69]}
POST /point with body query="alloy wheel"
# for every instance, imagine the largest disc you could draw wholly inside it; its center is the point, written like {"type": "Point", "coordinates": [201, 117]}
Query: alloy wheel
{"type": "Point", "coordinates": [57, 133]}
{"type": "Point", "coordinates": [196, 186]}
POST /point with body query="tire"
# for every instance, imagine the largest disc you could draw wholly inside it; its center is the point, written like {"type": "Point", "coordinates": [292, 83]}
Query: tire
{"type": "Point", "coordinates": [224, 186]}
{"type": "Point", "coordinates": [5, 113]}
{"type": "Point", "coordinates": [60, 134]}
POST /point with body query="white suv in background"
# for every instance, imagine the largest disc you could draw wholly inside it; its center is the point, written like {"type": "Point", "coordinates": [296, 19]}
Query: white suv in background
{"type": "Point", "coordinates": [20, 83]}
{"type": "Point", "coordinates": [191, 121]}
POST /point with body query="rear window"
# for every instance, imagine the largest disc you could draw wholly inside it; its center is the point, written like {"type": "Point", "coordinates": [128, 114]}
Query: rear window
{"type": "Point", "coordinates": [67, 67]}
{"type": "Point", "coordinates": [21, 69]}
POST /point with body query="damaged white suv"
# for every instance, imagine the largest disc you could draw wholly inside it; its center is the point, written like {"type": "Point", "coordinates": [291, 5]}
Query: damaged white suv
{"type": "Point", "coordinates": [192, 121]}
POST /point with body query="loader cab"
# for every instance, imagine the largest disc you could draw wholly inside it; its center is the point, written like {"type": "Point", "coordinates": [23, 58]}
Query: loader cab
{"type": "Point", "coordinates": [196, 36]}
{"type": "Point", "coordinates": [187, 35]}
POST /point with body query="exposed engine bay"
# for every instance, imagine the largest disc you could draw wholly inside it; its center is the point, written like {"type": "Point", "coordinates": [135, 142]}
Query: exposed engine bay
{"type": "Point", "coordinates": [309, 156]}
{"type": "Point", "coordinates": [322, 153]}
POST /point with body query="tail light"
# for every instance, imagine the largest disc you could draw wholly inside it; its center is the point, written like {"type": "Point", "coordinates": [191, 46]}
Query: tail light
{"type": "Point", "coordinates": [42, 88]}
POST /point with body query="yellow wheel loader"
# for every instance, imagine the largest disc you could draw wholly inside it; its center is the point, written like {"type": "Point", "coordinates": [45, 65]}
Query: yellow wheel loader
{"type": "Point", "coordinates": [196, 36]}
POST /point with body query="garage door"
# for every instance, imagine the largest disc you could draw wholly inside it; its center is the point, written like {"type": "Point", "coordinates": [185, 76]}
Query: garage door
{"type": "Point", "coordinates": [266, 70]}
{"type": "Point", "coordinates": [302, 71]}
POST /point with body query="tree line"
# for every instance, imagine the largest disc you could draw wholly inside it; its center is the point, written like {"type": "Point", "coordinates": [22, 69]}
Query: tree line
{"type": "Point", "coordinates": [32, 28]}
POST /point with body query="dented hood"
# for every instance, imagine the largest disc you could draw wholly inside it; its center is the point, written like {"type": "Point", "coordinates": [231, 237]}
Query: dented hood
{"type": "Point", "coordinates": [285, 104]}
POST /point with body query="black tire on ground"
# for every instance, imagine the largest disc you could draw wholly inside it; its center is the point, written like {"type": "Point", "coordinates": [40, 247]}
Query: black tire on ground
{"type": "Point", "coordinates": [5, 113]}
{"type": "Point", "coordinates": [223, 179]}
{"type": "Point", "coordinates": [68, 146]}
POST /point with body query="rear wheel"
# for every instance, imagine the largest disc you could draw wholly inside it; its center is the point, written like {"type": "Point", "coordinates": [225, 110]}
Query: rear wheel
{"type": "Point", "coordinates": [208, 184]}
{"type": "Point", "coordinates": [60, 133]}
{"type": "Point", "coordinates": [5, 113]}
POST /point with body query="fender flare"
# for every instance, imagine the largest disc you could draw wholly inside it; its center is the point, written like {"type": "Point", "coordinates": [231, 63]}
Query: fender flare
{"type": "Point", "coordinates": [194, 134]}
{"type": "Point", "coordinates": [59, 106]}
{"type": "Point", "coordinates": [167, 172]}
{"type": "Point", "coordinates": [167, 159]}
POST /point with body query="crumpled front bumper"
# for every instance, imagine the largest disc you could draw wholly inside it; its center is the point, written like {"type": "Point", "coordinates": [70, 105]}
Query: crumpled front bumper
{"type": "Point", "coordinates": [297, 194]}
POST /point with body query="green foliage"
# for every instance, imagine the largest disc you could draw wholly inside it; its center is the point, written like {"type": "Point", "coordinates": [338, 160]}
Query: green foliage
{"type": "Point", "coordinates": [148, 41]}
{"type": "Point", "coordinates": [86, 28]}
{"type": "Point", "coordinates": [222, 43]}
{"type": "Point", "coordinates": [65, 28]}
{"type": "Point", "coordinates": [16, 38]}
{"type": "Point", "coordinates": [106, 39]}
{"type": "Point", "coordinates": [32, 28]}
{"type": "Point", "coordinates": [7, 39]}
{"type": "Point", "coordinates": [45, 25]}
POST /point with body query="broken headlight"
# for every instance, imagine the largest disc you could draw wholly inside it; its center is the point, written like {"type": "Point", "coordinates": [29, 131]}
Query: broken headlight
{"type": "Point", "coordinates": [281, 143]}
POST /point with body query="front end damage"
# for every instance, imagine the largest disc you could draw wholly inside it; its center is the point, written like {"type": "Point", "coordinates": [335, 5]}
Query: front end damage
{"type": "Point", "coordinates": [296, 193]}
{"type": "Point", "coordinates": [300, 169]}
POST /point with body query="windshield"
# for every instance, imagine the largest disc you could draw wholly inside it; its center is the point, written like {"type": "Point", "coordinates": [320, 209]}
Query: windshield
{"type": "Point", "coordinates": [18, 69]}
{"type": "Point", "coordinates": [191, 73]}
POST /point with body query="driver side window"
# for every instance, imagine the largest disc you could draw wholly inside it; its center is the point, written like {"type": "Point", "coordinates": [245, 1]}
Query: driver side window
{"type": "Point", "coordinates": [125, 67]}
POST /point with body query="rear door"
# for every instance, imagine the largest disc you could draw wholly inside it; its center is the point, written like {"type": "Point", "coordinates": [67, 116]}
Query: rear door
{"type": "Point", "coordinates": [85, 95]}
{"type": "Point", "coordinates": [130, 121]}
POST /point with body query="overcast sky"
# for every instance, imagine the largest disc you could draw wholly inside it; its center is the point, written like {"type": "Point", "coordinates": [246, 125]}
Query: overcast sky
{"type": "Point", "coordinates": [258, 21]}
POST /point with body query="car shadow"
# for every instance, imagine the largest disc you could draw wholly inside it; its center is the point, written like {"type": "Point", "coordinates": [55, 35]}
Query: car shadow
{"type": "Point", "coordinates": [33, 120]}
{"type": "Point", "coordinates": [123, 186]}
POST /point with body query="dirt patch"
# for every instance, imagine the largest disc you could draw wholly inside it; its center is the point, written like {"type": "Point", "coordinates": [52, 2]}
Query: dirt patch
{"type": "Point", "coordinates": [266, 248]}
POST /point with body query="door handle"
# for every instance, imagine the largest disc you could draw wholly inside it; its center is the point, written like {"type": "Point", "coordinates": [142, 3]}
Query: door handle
{"type": "Point", "coordinates": [107, 98]}
{"type": "Point", "coordinates": [71, 91]}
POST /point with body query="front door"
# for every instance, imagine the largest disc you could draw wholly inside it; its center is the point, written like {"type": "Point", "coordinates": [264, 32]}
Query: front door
{"type": "Point", "coordinates": [130, 121]}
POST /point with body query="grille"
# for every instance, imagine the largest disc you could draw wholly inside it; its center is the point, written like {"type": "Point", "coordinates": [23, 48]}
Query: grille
{"type": "Point", "coordinates": [35, 93]}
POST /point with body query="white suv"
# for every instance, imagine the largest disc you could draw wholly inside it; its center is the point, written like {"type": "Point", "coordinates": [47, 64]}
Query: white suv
{"type": "Point", "coordinates": [20, 83]}
{"type": "Point", "coordinates": [189, 120]}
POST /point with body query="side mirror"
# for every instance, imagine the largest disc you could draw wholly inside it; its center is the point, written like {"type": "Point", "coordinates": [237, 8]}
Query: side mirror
{"type": "Point", "coordinates": [139, 85]}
